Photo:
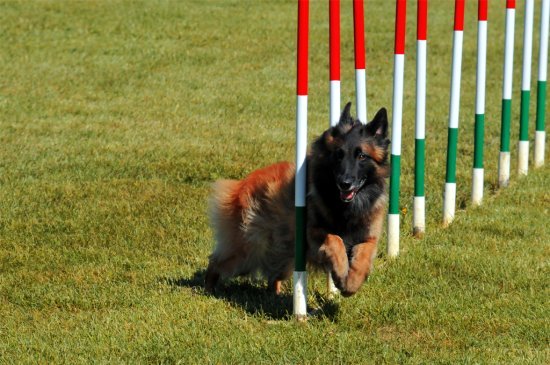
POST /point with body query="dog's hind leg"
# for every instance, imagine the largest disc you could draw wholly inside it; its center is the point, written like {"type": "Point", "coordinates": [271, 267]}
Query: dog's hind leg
{"type": "Point", "coordinates": [224, 267]}
{"type": "Point", "coordinates": [275, 286]}
{"type": "Point", "coordinates": [211, 278]}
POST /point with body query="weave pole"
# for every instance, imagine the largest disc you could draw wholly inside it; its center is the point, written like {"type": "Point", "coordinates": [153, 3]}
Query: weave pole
{"type": "Point", "coordinates": [360, 72]}
{"type": "Point", "coordinates": [397, 116]}
{"type": "Point", "coordinates": [478, 170]}
{"type": "Point", "coordinates": [334, 98]}
{"type": "Point", "coordinates": [504, 156]}
{"type": "Point", "coordinates": [300, 274]}
{"type": "Point", "coordinates": [334, 58]}
{"type": "Point", "coordinates": [540, 134]}
{"type": "Point", "coordinates": [419, 202]}
{"type": "Point", "coordinates": [449, 198]}
{"type": "Point", "coordinates": [525, 96]}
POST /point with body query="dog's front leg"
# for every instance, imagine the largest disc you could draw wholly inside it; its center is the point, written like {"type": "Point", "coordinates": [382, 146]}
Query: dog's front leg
{"type": "Point", "coordinates": [332, 254]}
{"type": "Point", "coordinates": [360, 266]}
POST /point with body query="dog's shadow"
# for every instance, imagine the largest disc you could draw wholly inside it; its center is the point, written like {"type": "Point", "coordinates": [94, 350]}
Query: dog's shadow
{"type": "Point", "coordinates": [253, 297]}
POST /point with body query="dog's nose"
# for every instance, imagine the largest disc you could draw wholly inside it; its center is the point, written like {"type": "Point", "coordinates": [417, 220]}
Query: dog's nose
{"type": "Point", "coordinates": [345, 185]}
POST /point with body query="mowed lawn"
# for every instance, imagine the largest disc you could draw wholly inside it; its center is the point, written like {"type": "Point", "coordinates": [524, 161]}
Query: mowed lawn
{"type": "Point", "coordinates": [116, 117]}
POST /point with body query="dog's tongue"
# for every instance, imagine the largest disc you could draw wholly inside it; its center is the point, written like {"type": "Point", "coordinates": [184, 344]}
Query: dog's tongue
{"type": "Point", "coordinates": [347, 195]}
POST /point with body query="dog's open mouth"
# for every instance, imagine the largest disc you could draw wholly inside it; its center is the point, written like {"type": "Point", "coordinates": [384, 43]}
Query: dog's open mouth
{"type": "Point", "coordinates": [347, 195]}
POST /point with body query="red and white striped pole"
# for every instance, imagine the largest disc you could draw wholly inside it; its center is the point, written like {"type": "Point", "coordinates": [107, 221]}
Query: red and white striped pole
{"type": "Point", "coordinates": [478, 171]}
{"type": "Point", "coordinates": [397, 116]}
{"type": "Point", "coordinates": [419, 202]}
{"type": "Point", "coordinates": [525, 96]}
{"type": "Point", "coordinates": [449, 197]}
{"type": "Point", "coordinates": [360, 72]}
{"type": "Point", "coordinates": [334, 74]}
{"type": "Point", "coordinates": [506, 116]}
{"type": "Point", "coordinates": [300, 274]}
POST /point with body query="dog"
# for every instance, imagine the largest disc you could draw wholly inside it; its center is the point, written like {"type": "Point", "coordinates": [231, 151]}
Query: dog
{"type": "Point", "coordinates": [254, 219]}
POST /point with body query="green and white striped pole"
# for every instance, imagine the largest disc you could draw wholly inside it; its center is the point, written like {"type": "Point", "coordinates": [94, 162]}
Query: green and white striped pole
{"type": "Point", "coordinates": [419, 202]}
{"type": "Point", "coordinates": [300, 274]}
{"type": "Point", "coordinates": [540, 133]}
{"type": "Point", "coordinates": [397, 116]}
{"type": "Point", "coordinates": [523, 144]}
{"type": "Point", "coordinates": [478, 170]}
{"type": "Point", "coordinates": [449, 197]}
{"type": "Point", "coordinates": [506, 116]}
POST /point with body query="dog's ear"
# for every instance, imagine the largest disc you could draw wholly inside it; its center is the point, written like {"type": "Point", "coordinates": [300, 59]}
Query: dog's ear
{"type": "Point", "coordinates": [345, 123]}
{"type": "Point", "coordinates": [378, 126]}
{"type": "Point", "coordinates": [345, 117]}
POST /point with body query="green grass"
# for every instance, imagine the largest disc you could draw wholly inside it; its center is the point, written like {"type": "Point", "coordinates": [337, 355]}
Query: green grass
{"type": "Point", "coordinates": [115, 118]}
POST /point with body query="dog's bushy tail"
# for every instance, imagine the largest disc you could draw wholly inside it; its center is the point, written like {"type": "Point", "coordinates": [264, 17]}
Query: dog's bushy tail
{"type": "Point", "coordinates": [223, 214]}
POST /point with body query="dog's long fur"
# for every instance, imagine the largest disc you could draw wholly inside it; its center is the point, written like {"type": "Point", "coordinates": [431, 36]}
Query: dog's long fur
{"type": "Point", "coordinates": [254, 218]}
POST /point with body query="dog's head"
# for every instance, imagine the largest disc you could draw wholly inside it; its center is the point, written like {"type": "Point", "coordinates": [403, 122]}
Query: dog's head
{"type": "Point", "coordinates": [356, 154]}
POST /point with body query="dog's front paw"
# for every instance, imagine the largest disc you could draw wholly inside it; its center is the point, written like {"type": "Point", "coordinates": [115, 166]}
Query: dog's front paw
{"type": "Point", "coordinates": [332, 254]}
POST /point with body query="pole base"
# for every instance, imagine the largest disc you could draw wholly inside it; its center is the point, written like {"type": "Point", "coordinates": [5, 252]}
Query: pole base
{"type": "Point", "coordinates": [393, 235]}
{"type": "Point", "coordinates": [523, 157]}
{"type": "Point", "coordinates": [449, 203]}
{"type": "Point", "coordinates": [419, 216]}
{"type": "Point", "coordinates": [477, 186]}
{"type": "Point", "coordinates": [540, 141]}
{"type": "Point", "coordinates": [503, 169]}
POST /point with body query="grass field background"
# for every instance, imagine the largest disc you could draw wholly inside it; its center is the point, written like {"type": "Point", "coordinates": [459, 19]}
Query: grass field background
{"type": "Point", "coordinates": [116, 117]}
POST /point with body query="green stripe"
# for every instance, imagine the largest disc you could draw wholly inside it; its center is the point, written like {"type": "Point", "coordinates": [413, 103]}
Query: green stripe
{"type": "Point", "coordinates": [478, 140]}
{"type": "Point", "coordinates": [541, 105]}
{"type": "Point", "coordinates": [394, 184]}
{"type": "Point", "coordinates": [452, 144]}
{"type": "Point", "coordinates": [505, 125]}
{"type": "Point", "coordinates": [524, 115]}
{"type": "Point", "coordinates": [419, 153]}
{"type": "Point", "coordinates": [300, 249]}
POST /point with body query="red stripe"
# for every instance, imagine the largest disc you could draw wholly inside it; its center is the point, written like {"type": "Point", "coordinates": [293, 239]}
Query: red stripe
{"type": "Point", "coordinates": [334, 39]}
{"type": "Point", "coordinates": [459, 14]}
{"type": "Point", "coordinates": [510, 4]}
{"type": "Point", "coordinates": [400, 23]}
{"type": "Point", "coordinates": [302, 54]}
{"type": "Point", "coordinates": [422, 15]}
{"type": "Point", "coordinates": [359, 33]}
{"type": "Point", "coordinates": [482, 10]}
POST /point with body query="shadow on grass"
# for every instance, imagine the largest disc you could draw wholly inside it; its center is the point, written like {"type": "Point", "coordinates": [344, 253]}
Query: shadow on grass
{"type": "Point", "coordinates": [253, 297]}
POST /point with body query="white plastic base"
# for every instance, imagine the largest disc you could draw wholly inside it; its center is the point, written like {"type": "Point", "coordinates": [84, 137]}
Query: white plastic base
{"type": "Point", "coordinates": [503, 169]}
{"type": "Point", "coordinates": [393, 235]}
{"type": "Point", "coordinates": [477, 186]}
{"type": "Point", "coordinates": [449, 203]}
{"type": "Point", "coordinates": [540, 141]}
{"type": "Point", "coordinates": [523, 157]}
{"type": "Point", "coordinates": [300, 295]}
{"type": "Point", "coordinates": [419, 215]}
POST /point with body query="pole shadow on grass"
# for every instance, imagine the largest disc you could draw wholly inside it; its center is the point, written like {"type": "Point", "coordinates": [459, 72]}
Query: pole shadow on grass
{"type": "Point", "coordinates": [253, 297]}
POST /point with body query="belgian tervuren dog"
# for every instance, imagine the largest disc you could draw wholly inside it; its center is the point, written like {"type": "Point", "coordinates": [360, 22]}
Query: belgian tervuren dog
{"type": "Point", "coordinates": [254, 218]}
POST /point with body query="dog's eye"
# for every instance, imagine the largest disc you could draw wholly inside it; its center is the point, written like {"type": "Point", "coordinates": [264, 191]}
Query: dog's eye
{"type": "Point", "coordinates": [361, 156]}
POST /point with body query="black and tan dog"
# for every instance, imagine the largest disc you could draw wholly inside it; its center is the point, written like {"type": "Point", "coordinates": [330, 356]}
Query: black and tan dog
{"type": "Point", "coordinates": [254, 218]}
